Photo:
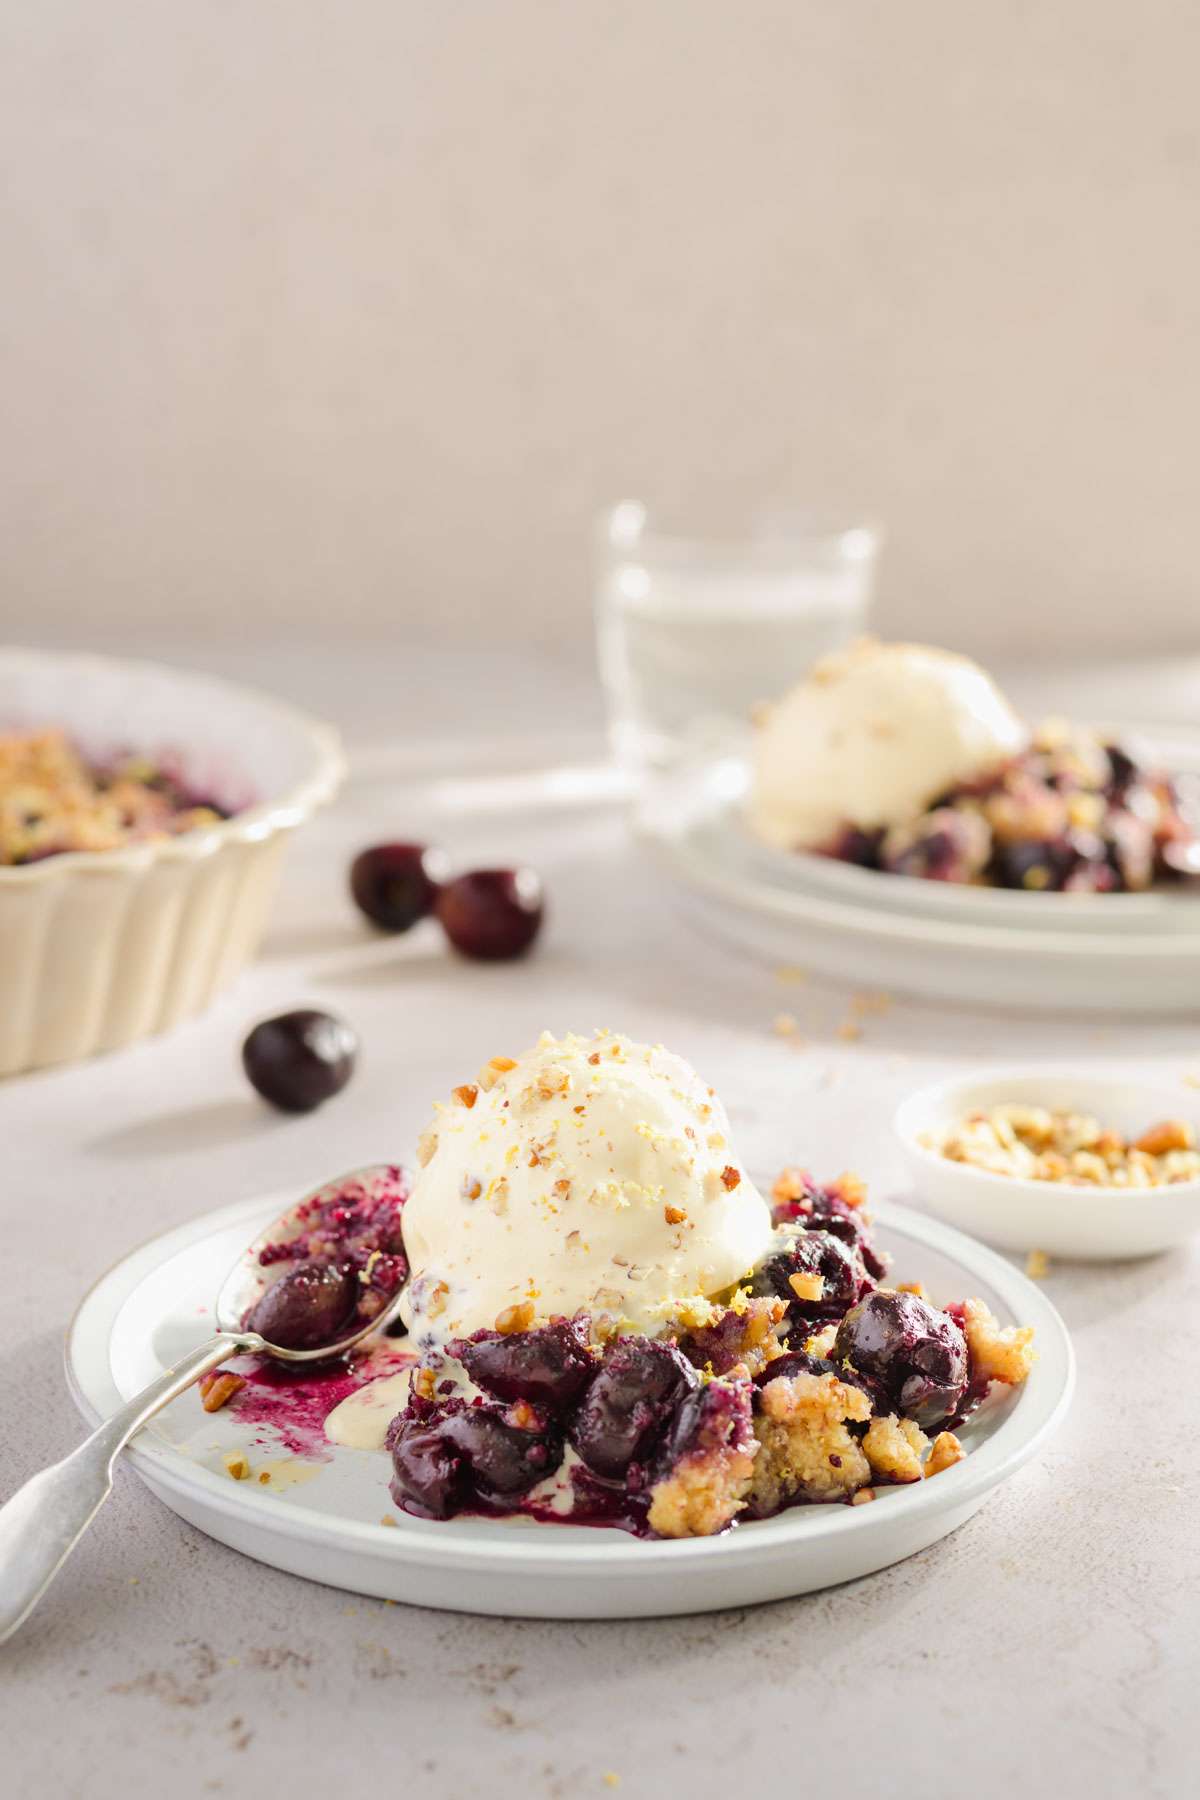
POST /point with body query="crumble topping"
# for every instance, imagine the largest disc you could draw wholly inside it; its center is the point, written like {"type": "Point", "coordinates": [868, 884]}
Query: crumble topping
{"type": "Point", "coordinates": [1036, 1143]}
{"type": "Point", "coordinates": [53, 801]}
{"type": "Point", "coordinates": [996, 1354]}
{"type": "Point", "coordinates": [806, 1447]}
{"type": "Point", "coordinates": [894, 1448]}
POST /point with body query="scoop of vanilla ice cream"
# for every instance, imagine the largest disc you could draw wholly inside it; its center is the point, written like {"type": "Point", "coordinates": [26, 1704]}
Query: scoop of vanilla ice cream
{"type": "Point", "coordinates": [591, 1174]}
{"type": "Point", "coordinates": [870, 737]}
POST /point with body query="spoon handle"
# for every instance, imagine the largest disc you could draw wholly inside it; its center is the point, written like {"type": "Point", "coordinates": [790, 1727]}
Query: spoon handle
{"type": "Point", "coordinates": [44, 1520]}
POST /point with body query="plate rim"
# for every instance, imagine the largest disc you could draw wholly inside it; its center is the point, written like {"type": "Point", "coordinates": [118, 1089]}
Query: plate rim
{"type": "Point", "coordinates": [895, 927]}
{"type": "Point", "coordinates": [1014, 1442]}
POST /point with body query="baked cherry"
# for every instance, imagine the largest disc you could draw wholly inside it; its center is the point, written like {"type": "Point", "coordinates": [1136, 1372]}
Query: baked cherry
{"type": "Point", "coordinates": [394, 885]}
{"type": "Point", "coordinates": [809, 1257]}
{"type": "Point", "coordinates": [308, 1307]}
{"type": "Point", "coordinates": [859, 847]}
{"type": "Point", "coordinates": [300, 1059]}
{"type": "Point", "coordinates": [1122, 770]}
{"type": "Point", "coordinates": [841, 1220]}
{"type": "Point", "coordinates": [714, 1418]}
{"type": "Point", "coordinates": [492, 914]}
{"type": "Point", "coordinates": [445, 1454]}
{"type": "Point", "coordinates": [629, 1404]}
{"type": "Point", "coordinates": [913, 1357]}
{"type": "Point", "coordinates": [550, 1366]}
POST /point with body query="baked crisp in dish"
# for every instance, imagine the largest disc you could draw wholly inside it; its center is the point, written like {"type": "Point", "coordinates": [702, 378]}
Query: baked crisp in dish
{"type": "Point", "coordinates": [52, 800]}
{"type": "Point", "coordinates": [605, 1323]}
{"type": "Point", "coordinates": [614, 1327]}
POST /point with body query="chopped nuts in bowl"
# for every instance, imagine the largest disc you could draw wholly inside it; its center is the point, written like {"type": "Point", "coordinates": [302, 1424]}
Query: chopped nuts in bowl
{"type": "Point", "coordinates": [1033, 1143]}
{"type": "Point", "coordinates": [1071, 1164]}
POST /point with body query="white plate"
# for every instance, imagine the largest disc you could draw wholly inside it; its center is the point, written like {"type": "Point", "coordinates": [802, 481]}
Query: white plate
{"type": "Point", "coordinates": [1094, 1223]}
{"type": "Point", "coordinates": [156, 1303]}
{"type": "Point", "coordinates": [1135, 953]}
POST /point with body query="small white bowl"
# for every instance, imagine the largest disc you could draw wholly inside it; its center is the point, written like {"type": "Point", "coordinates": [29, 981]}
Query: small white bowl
{"type": "Point", "coordinates": [1104, 1224]}
{"type": "Point", "coordinates": [100, 948]}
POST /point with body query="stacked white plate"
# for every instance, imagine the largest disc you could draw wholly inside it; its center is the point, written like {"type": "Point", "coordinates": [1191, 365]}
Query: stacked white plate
{"type": "Point", "coordinates": [1129, 953]}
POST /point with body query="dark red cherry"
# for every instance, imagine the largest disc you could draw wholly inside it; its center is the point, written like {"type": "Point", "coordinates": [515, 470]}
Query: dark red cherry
{"type": "Point", "coordinates": [821, 1254]}
{"type": "Point", "coordinates": [913, 1356]}
{"type": "Point", "coordinates": [307, 1308]}
{"type": "Point", "coordinates": [550, 1366]}
{"type": "Point", "coordinates": [446, 1454]}
{"type": "Point", "coordinates": [492, 914]}
{"type": "Point", "coordinates": [394, 885]}
{"type": "Point", "coordinates": [629, 1404]}
{"type": "Point", "coordinates": [299, 1059]}
{"type": "Point", "coordinates": [710, 1420]}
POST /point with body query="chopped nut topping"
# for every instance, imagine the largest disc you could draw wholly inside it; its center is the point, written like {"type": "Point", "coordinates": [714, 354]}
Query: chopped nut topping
{"type": "Point", "coordinates": [237, 1465]}
{"type": "Point", "coordinates": [387, 1519]}
{"type": "Point", "coordinates": [436, 1303]}
{"type": "Point", "coordinates": [427, 1145]}
{"type": "Point", "coordinates": [912, 1287]}
{"type": "Point", "coordinates": [471, 1187]}
{"type": "Point", "coordinates": [807, 1287]}
{"type": "Point", "coordinates": [466, 1095]}
{"type": "Point", "coordinates": [863, 1497]}
{"type": "Point", "coordinates": [515, 1318]}
{"type": "Point", "coordinates": [424, 1383]}
{"type": "Point", "coordinates": [945, 1453]}
{"type": "Point", "coordinates": [821, 1343]}
{"type": "Point", "coordinates": [674, 1215]}
{"type": "Point", "coordinates": [1037, 1265]}
{"type": "Point", "coordinates": [498, 1195]}
{"type": "Point", "coordinates": [217, 1388]}
{"type": "Point", "coordinates": [492, 1070]}
{"type": "Point", "coordinates": [790, 1184]}
{"type": "Point", "coordinates": [1161, 1139]}
{"type": "Point", "coordinates": [730, 1177]}
{"type": "Point", "coordinates": [851, 1188]}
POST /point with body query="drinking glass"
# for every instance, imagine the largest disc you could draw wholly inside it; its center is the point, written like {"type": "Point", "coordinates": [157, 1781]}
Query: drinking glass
{"type": "Point", "coordinates": [694, 631]}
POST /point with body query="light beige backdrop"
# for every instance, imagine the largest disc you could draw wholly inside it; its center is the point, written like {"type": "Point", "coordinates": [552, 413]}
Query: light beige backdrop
{"type": "Point", "coordinates": [345, 316]}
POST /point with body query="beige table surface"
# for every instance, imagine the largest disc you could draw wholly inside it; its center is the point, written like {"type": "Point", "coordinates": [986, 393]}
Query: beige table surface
{"type": "Point", "coordinates": [1049, 1647]}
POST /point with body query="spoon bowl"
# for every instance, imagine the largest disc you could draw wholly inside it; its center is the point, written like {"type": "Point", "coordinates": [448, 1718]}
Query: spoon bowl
{"type": "Point", "coordinates": [324, 1274]}
{"type": "Point", "coordinates": [308, 1289]}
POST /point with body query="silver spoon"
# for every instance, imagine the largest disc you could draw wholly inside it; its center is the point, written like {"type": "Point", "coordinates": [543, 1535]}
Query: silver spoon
{"type": "Point", "coordinates": [44, 1520]}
